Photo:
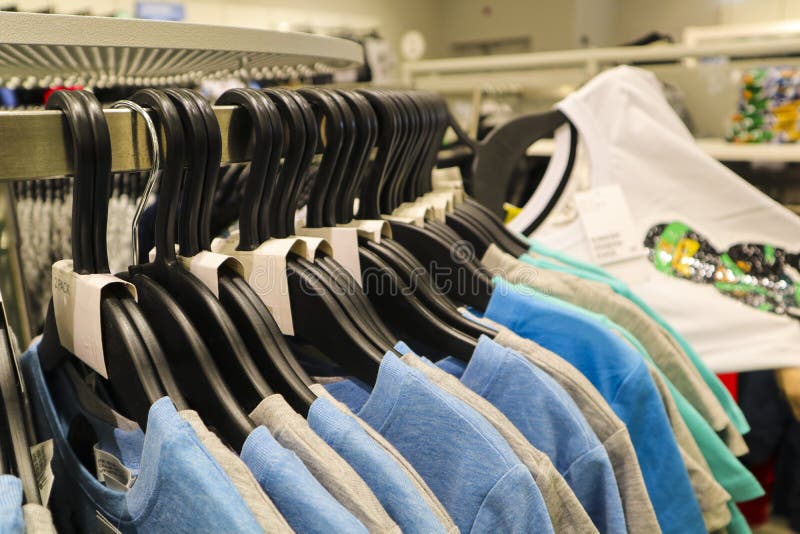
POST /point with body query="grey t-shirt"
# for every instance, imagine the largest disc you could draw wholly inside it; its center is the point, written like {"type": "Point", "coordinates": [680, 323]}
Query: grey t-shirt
{"type": "Point", "coordinates": [639, 513]}
{"type": "Point", "coordinates": [37, 519]}
{"type": "Point", "coordinates": [330, 469]}
{"type": "Point", "coordinates": [565, 511]}
{"type": "Point", "coordinates": [422, 487]}
{"type": "Point", "coordinates": [600, 298]}
{"type": "Point", "coordinates": [259, 503]}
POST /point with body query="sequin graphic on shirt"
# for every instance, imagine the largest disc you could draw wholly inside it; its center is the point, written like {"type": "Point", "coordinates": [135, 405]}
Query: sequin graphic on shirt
{"type": "Point", "coordinates": [756, 274]}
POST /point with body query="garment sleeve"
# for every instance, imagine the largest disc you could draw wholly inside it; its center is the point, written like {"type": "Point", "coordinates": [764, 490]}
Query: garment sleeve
{"type": "Point", "coordinates": [592, 479]}
{"type": "Point", "coordinates": [514, 504]}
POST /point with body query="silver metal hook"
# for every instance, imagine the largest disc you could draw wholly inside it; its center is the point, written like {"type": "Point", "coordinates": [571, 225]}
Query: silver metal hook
{"type": "Point", "coordinates": [151, 179]}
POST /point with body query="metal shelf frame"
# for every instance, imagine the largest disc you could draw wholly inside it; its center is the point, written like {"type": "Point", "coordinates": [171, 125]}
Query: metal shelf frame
{"type": "Point", "coordinates": [137, 52]}
{"type": "Point", "coordinates": [35, 144]}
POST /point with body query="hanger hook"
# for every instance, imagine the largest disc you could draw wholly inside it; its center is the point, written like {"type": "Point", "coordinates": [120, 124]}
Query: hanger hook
{"type": "Point", "coordinates": [151, 179]}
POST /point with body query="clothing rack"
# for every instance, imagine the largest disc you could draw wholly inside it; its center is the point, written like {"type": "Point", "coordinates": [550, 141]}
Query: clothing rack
{"type": "Point", "coordinates": [46, 50]}
{"type": "Point", "coordinates": [35, 145]}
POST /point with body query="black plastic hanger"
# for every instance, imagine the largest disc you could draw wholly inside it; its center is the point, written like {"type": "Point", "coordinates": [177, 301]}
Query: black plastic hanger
{"type": "Point", "coordinates": [325, 324]}
{"type": "Point", "coordinates": [465, 227]}
{"type": "Point", "coordinates": [133, 379]}
{"type": "Point", "coordinates": [195, 371]}
{"type": "Point", "coordinates": [354, 149]}
{"type": "Point", "coordinates": [364, 140]}
{"type": "Point", "coordinates": [469, 283]}
{"type": "Point", "coordinates": [410, 271]}
{"type": "Point", "coordinates": [195, 299]}
{"type": "Point", "coordinates": [470, 208]}
{"type": "Point", "coordinates": [352, 298]}
{"type": "Point", "coordinates": [265, 344]}
{"type": "Point", "coordinates": [496, 156]}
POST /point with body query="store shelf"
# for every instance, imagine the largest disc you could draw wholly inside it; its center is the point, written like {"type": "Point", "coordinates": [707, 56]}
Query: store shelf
{"type": "Point", "coordinates": [717, 148]}
{"type": "Point", "coordinates": [53, 47]}
{"type": "Point", "coordinates": [593, 59]}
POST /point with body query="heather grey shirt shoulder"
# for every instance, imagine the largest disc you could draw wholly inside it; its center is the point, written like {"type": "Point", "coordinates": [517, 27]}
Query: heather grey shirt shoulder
{"type": "Point", "coordinates": [565, 511]}
{"type": "Point", "coordinates": [258, 502]}
{"type": "Point", "coordinates": [330, 469]}
{"type": "Point", "coordinates": [639, 513]}
{"type": "Point", "coordinates": [37, 519]}
{"type": "Point", "coordinates": [422, 487]}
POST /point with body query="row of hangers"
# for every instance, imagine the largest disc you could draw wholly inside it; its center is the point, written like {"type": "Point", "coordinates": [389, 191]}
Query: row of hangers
{"type": "Point", "coordinates": [221, 355]}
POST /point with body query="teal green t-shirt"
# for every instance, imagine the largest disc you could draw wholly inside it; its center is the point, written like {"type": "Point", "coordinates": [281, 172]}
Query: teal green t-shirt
{"type": "Point", "coordinates": [725, 467]}
{"type": "Point", "coordinates": [564, 263]}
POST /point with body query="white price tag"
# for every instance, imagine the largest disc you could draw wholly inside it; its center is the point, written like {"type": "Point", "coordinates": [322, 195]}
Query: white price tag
{"type": "Point", "coordinates": [76, 304]}
{"type": "Point", "coordinates": [265, 270]}
{"type": "Point", "coordinates": [343, 242]}
{"type": "Point", "coordinates": [416, 211]}
{"type": "Point", "coordinates": [205, 265]}
{"type": "Point", "coordinates": [372, 229]}
{"type": "Point", "coordinates": [42, 458]}
{"type": "Point", "coordinates": [608, 223]}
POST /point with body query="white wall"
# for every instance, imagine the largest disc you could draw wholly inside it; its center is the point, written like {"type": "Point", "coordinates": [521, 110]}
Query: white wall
{"type": "Point", "coordinates": [548, 23]}
{"type": "Point", "coordinates": [634, 18]}
{"type": "Point", "coordinates": [594, 20]}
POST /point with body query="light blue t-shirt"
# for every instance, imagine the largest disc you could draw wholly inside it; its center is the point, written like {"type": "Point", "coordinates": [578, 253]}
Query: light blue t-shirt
{"type": "Point", "coordinates": [386, 479]}
{"type": "Point", "coordinates": [468, 465]}
{"type": "Point", "coordinates": [11, 521]}
{"type": "Point", "coordinates": [300, 498]}
{"type": "Point", "coordinates": [178, 487]}
{"type": "Point", "coordinates": [567, 264]}
{"type": "Point", "coordinates": [621, 376]}
{"type": "Point", "coordinates": [547, 416]}
{"type": "Point", "coordinates": [727, 470]}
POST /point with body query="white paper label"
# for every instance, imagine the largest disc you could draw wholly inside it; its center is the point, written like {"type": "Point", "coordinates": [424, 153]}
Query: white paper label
{"type": "Point", "coordinates": [416, 210]}
{"type": "Point", "coordinates": [344, 244]}
{"type": "Point", "coordinates": [402, 219]}
{"type": "Point", "coordinates": [443, 202]}
{"type": "Point", "coordinates": [265, 271]}
{"type": "Point", "coordinates": [111, 471]}
{"type": "Point", "coordinates": [435, 207]}
{"type": "Point", "coordinates": [314, 246]}
{"type": "Point", "coordinates": [205, 266]}
{"type": "Point", "coordinates": [42, 457]}
{"type": "Point", "coordinates": [372, 229]}
{"type": "Point", "coordinates": [608, 223]}
{"type": "Point", "coordinates": [449, 179]}
{"type": "Point", "coordinates": [76, 303]}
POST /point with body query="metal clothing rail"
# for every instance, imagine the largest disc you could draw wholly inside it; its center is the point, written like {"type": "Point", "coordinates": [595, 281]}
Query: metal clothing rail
{"type": "Point", "coordinates": [108, 51]}
{"type": "Point", "coordinates": [35, 144]}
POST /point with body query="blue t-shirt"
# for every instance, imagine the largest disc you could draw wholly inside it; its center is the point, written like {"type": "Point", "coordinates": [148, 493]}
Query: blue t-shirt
{"type": "Point", "coordinates": [466, 463]}
{"type": "Point", "coordinates": [301, 499]}
{"type": "Point", "coordinates": [622, 378]}
{"type": "Point", "coordinates": [564, 263]}
{"type": "Point", "coordinates": [11, 521]}
{"type": "Point", "coordinates": [547, 416]}
{"type": "Point", "coordinates": [387, 480]}
{"type": "Point", "coordinates": [178, 487]}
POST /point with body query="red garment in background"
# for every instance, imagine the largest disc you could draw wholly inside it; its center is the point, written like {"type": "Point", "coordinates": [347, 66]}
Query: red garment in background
{"type": "Point", "coordinates": [52, 90]}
